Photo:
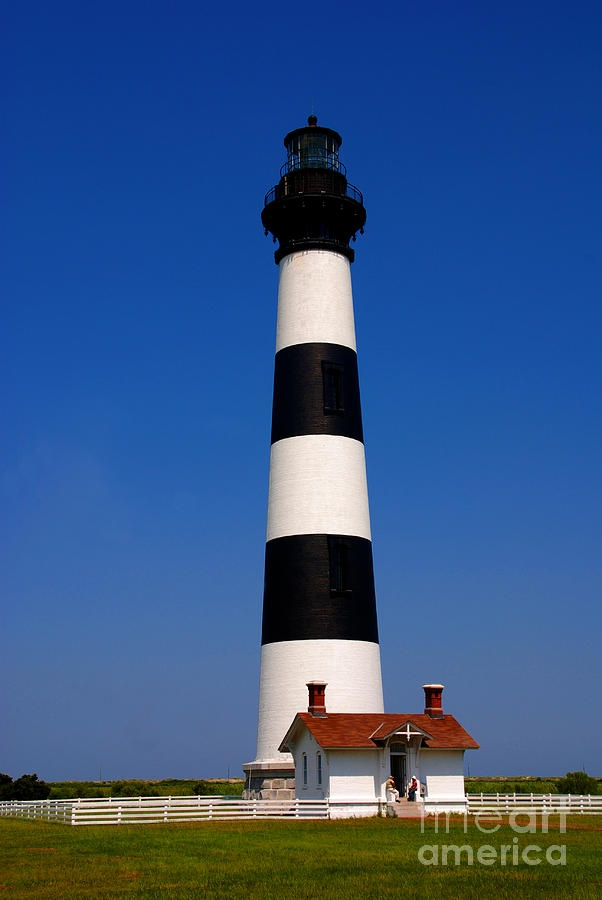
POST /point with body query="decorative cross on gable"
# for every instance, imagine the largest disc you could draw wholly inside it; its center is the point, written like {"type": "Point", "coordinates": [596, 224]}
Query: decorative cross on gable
{"type": "Point", "coordinates": [407, 732]}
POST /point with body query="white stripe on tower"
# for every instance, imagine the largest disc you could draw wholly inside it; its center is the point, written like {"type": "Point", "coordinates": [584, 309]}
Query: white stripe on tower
{"type": "Point", "coordinates": [315, 303]}
{"type": "Point", "coordinates": [350, 668]}
{"type": "Point", "coordinates": [318, 486]}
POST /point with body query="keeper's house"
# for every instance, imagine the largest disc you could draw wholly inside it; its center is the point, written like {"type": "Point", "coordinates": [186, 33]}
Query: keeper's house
{"type": "Point", "coordinates": [348, 757]}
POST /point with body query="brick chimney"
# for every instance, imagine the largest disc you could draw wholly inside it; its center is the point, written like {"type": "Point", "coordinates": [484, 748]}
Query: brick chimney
{"type": "Point", "coordinates": [432, 700]}
{"type": "Point", "coordinates": [317, 701]}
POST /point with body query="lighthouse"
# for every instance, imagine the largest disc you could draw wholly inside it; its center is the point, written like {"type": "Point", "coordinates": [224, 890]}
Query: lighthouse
{"type": "Point", "coordinates": [319, 607]}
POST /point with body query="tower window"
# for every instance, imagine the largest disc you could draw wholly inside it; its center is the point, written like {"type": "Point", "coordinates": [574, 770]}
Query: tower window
{"type": "Point", "coordinates": [332, 377]}
{"type": "Point", "coordinates": [339, 567]}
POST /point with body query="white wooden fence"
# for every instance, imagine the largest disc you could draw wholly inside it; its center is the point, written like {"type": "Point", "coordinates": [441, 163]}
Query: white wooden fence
{"type": "Point", "coordinates": [146, 810]}
{"type": "Point", "coordinates": [576, 804]}
{"type": "Point", "coordinates": [52, 810]}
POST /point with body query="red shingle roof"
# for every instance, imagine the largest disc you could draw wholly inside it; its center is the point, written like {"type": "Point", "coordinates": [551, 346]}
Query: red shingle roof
{"type": "Point", "coordinates": [368, 730]}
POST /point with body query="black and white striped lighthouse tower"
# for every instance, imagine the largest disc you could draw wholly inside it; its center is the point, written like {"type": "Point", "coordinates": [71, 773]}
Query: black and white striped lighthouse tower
{"type": "Point", "coordinates": [319, 609]}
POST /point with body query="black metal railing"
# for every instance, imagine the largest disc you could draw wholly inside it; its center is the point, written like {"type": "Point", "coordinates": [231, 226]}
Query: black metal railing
{"type": "Point", "coordinates": [313, 162]}
{"type": "Point", "coordinates": [286, 190]}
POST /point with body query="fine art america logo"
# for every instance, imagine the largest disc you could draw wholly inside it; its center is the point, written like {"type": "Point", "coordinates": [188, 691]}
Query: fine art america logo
{"type": "Point", "coordinates": [489, 822]}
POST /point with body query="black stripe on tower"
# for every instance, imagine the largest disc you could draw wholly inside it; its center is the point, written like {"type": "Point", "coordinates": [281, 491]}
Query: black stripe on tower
{"type": "Point", "coordinates": [316, 391]}
{"type": "Point", "coordinates": [319, 586]}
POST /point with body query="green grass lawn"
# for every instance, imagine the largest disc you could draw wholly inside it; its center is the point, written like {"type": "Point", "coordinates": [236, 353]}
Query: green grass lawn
{"type": "Point", "coordinates": [280, 859]}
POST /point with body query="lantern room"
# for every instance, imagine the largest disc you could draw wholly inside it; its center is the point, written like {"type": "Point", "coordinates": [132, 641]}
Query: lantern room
{"type": "Point", "coordinates": [312, 147]}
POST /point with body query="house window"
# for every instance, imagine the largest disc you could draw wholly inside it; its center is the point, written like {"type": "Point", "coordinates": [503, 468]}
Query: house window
{"type": "Point", "coordinates": [319, 767]}
{"type": "Point", "coordinates": [339, 567]}
{"type": "Point", "coordinates": [332, 378]}
{"type": "Point", "coordinates": [305, 770]}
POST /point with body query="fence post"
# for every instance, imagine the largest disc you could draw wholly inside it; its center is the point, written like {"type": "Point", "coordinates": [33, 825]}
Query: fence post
{"type": "Point", "coordinates": [119, 815]}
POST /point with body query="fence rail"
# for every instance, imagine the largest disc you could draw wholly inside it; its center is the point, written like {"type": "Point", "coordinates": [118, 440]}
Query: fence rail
{"type": "Point", "coordinates": [51, 810]}
{"type": "Point", "coordinates": [146, 810]}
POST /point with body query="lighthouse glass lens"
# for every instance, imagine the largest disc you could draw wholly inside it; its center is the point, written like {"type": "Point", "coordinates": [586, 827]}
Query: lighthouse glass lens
{"type": "Point", "coordinates": [313, 150]}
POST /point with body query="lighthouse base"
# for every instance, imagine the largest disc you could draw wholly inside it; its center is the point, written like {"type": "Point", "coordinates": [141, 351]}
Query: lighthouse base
{"type": "Point", "coordinates": [266, 780]}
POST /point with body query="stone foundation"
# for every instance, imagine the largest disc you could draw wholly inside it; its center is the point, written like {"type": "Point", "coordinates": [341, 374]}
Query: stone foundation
{"type": "Point", "coordinates": [270, 781]}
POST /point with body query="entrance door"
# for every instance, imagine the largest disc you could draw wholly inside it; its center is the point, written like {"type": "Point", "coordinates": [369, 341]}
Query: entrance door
{"type": "Point", "coordinates": [398, 771]}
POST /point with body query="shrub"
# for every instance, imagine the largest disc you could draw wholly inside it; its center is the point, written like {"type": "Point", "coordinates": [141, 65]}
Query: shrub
{"type": "Point", "coordinates": [132, 789]}
{"type": "Point", "coordinates": [218, 788]}
{"type": "Point", "coordinates": [577, 783]}
{"type": "Point", "coordinates": [83, 790]}
{"type": "Point", "coordinates": [535, 786]}
{"type": "Point", "coordinates": [27, 787]}
{"type": "Point", "coordinates": [6, 784]}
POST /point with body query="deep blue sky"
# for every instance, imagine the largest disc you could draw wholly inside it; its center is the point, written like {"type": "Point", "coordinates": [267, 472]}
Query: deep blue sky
{"type": "Point", "coordinates": [139, 297]}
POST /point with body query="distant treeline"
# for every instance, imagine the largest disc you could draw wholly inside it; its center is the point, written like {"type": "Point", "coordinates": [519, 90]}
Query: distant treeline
{"type": "Point", "coordinates": [29, 787]}
{"type": "Point", "coordinates": [572, 783]}
{"type": "Point", "coordinates": [168, 787]}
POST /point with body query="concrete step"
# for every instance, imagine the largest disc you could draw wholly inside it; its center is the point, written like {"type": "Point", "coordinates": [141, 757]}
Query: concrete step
{"type": "Point", "coordinates": [403, 809]}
